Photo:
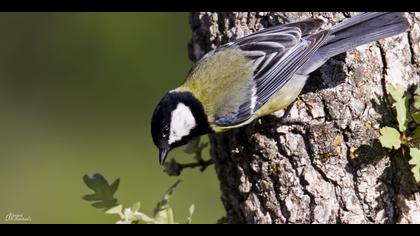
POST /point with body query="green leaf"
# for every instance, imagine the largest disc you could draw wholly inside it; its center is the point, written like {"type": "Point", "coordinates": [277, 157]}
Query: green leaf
{"type": "Point", "coordinates": [390, 138]}
{"type": "Point", "coordinates": [415, 161]}
{"type": "Point", "coordinates": [91, 197]}
{"type": "Point", "coordinates": [202, 146]}
{"type": "Point", "coordinates": [139, 216]}
{"type": "Point", "coordinates": [115, 210]}
{"type": "Point", "coordinates": [163, 203]}
{"type": "Point", "coordinates": [190, 213]}
{"type": "Point", "coordinates": [193, 146]}
{"type": "Point", "coordinates": [401, 104]}
{"type": "Point", "coordinates": [417, 97]}
{"type": "Point", "coordinates": [136, 206]}
{"type": "Point", "coordinates": [396, 90]}
{"type": "Point", "coordinates": [165, 216]}
{"type": "Point", "coordinates": [417, 102]}
{"type": "Point", "coordinates": [416, 117]}
{"type": "Point", "coordinates": [416, 133]}
{"type": "Point", "coordinates": [103, 196]}
{"type": "Point", "coordinates": [129, 215]}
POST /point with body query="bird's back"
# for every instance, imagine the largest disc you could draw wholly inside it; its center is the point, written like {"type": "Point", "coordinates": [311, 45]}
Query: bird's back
{"type": "Point", "coordinates": [221, 81]}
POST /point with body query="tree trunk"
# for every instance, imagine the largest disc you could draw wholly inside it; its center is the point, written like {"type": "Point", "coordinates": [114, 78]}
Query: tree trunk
{"type": "Point", "coordinates": [331, 168]}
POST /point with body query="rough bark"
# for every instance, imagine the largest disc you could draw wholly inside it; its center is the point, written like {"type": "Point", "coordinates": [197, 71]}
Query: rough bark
{"type": "Point", "coordinates": [331, 168]}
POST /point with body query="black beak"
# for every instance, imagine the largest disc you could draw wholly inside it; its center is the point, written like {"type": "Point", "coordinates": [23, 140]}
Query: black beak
{"type": "Point", "coordinates": [163, 152]}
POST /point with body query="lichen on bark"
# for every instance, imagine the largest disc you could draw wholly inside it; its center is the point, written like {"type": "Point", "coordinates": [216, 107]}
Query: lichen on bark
{"type": "Point", "coordinates": [331, 168]}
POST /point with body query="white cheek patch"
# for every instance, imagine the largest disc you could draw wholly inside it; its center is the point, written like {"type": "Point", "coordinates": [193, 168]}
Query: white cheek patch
{"type": "Point", "coordinates": [182, 122]}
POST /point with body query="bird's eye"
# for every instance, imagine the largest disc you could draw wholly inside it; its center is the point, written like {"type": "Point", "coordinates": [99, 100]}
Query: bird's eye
{"type": "Point", "coordinates": [165, 131]}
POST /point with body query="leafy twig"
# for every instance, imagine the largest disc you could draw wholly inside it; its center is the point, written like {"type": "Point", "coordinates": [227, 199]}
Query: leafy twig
{"type": "Point", "coordinates": [103, 197]}
{"type": "Point", "coordinates": [406, 138]}
{"type": "Point", "coordinates": [174, 168]}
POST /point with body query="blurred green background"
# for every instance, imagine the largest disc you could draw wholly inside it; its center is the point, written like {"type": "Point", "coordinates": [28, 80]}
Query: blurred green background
{"type": "Point", "coordinates": [77, 91]}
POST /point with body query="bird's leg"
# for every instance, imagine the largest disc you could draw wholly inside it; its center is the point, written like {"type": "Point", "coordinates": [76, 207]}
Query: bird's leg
{"type": "Point", "coordinates": [287, 121]}
{"type": "Point", "coordinates": [286, 112]}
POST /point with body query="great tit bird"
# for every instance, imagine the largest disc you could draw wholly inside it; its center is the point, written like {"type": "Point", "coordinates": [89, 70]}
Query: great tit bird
{"type": "Point", "coordinates": [258, 74]}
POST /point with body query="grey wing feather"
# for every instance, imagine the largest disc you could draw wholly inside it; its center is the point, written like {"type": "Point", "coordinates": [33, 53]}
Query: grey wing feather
{"type": "Point", "coordinates": [277, 53]}
{"type": "Point", "coordinates": [281, 51]}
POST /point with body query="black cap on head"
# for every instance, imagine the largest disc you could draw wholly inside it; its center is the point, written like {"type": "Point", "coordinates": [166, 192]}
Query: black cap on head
{"type": "Point", "coordinates": [160, 126]}
{"type": "Point", "coordinates": [162, 117]}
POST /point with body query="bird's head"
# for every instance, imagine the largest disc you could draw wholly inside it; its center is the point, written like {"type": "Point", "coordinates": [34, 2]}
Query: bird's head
{"type": "Point", "coordinates": [178, 118]}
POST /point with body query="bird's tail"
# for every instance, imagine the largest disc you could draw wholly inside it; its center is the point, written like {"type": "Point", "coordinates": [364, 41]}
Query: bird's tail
{"type": "Point", "coordinates": [361, 29]}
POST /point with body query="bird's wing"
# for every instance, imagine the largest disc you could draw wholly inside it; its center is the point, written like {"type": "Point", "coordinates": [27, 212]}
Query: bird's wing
{"type": "Point", "coordinates": [276, 54]}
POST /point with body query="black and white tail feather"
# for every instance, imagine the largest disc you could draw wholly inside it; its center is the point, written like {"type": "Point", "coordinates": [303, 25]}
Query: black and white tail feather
{"type": "Point", "coordinates": [358, 30]}
{"type": "Point", "coordinates": [279, 53]}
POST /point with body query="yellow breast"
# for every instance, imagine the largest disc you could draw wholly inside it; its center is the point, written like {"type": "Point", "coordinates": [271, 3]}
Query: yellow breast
{"type": "Point", "coordinates": [284, 97]}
